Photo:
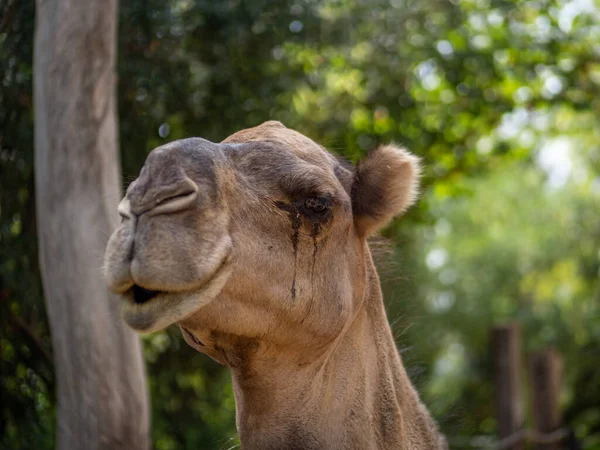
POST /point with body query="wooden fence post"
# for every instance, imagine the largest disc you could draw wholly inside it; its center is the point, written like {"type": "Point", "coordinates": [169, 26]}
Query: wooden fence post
{"type": "Point", "coordinates": [545, 377]}
{"type": "Point", "coordinates": [506, 350]}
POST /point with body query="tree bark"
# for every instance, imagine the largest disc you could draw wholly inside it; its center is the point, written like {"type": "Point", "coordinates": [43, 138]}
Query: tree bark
{"type": "Point", "coordinates": [101, 387]}
{"type": "Point", "coordinates": [506, 349]}
{"type": "Point", "coordinates": [545, 374]}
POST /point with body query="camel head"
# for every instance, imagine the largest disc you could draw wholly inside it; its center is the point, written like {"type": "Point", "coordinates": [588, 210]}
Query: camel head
{"type": "Point", "coordinates": [261, 237]}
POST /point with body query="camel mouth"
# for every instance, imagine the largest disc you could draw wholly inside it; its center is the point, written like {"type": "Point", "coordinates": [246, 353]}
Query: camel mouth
{"type": "Point", "coordinates": [141, 295]}
{"type": "Point", "coordinates": [147, 310]}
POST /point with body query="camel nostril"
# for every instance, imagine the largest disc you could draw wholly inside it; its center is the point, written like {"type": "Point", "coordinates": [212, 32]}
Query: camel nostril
{"type": "Point", "coordinates": [173, 203]}
{"type": "Point", "coordinates": [141, 295]}
{"type": "Point", "coordinates": [162, 199]}
{"type": "Point", "coordinates": [172, 198]}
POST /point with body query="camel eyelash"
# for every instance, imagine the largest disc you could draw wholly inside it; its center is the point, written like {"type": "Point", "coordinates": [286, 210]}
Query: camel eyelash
{"type": "Point", "coordinates": [317, 203]}
{"type": "Point", "coordinates": [315, 207]}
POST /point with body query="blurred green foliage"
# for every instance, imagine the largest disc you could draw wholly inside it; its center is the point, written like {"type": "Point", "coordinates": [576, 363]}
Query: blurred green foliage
{"type": "Point", "coordinates": [499, 97]}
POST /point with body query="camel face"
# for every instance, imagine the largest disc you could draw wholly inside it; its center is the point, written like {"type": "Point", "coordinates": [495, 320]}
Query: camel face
{"type": "Point", "coordinates": [250, 234]}
{"type": "Point", "coordinates": [260, 236]}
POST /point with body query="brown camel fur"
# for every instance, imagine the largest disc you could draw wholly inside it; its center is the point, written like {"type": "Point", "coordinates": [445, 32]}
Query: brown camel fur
{"type": "Point", "coordinates": [257, 248]}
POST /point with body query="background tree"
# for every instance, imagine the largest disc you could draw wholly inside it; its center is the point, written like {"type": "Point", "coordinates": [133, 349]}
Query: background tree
{"type": "Point", "coordinates": [101, 389]}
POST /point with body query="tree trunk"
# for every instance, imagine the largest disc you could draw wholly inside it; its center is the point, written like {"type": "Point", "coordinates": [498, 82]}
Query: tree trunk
{"type": "Point", "coordinates": [545, 374]}
{"type": "Point", "coordinates": [506, 349]}
{"type": "Point", "coordinates": [101, 386]}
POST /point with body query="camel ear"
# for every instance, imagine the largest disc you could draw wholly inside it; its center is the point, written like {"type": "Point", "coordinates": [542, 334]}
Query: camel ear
{"type": "Point", "coordinates": [385, 185]}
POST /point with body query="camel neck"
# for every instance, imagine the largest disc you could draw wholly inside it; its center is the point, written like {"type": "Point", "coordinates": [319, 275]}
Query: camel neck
{"type": "Point", "coordinates": [356, 396]}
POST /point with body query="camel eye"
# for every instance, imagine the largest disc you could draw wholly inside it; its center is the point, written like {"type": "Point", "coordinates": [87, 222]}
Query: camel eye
{"type": "Point", "coordinates": [316, 204]}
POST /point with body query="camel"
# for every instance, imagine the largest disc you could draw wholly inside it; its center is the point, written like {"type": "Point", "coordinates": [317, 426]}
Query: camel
{"type": "Point", "coordinates": [256, 248]}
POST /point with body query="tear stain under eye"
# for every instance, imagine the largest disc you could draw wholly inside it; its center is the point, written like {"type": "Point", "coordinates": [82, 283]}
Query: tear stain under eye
{"type": "Point", "coordinates": [316, 229]}
{"type": "Point", "coordinates": [295, 217]}
{"type": "Point", "coordinates": [295, 220]}
{"type": "Point", "coordinates": [314, 234]}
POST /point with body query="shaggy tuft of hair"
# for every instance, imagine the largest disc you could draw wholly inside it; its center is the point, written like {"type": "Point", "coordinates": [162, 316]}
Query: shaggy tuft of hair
{"type": "Point", "coordinates": [385, 185]}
